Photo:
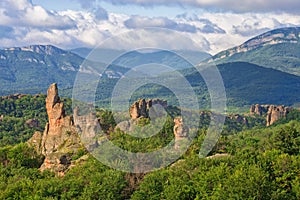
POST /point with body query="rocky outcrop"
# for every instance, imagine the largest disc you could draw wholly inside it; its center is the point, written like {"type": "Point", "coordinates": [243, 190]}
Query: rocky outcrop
{"type": "Point", "coordinates": [141, 108]}
{"type": "Point", "coordinates": [57, 162]}
{"type": "Point", "coordinates": [180, 131]}
{"type": "Point", "coordinates": [60, 130]}
{"type": "Point", "coordinates": [125, 126]}
{"type": "Point", "coordinates": [36, 141]}
{"type": "Point", "coordinates": [218, 155]}
{"type": "Point", "coordinates": [59, 140]}
{"type": "Point", "coordinates": [14, 96]}
{"type": "Point", "coordinates": [239, 119]}
{"type": "Point", "coordinates": [275, 113]}
{"type": "Point", "coordinates": [259, 109]}
{"type": "Point", "coordinates": [88, 127]}
{"type": "Point", "coordinates": [32, 123]}
{"type": "Point", "coordinates": [272, 112]}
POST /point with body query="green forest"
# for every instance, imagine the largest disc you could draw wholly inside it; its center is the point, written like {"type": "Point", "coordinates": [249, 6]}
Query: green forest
{"type": "Point", "coordinates": [260, 163]}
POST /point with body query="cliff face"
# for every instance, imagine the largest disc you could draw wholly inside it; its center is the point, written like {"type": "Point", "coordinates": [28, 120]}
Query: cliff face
{"type": "Point", "coordinates": [273, 113]}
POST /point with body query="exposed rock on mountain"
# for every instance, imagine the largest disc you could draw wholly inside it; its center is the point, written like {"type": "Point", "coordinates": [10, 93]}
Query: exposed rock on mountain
{"type": "Point", "coordinates": [272, 112]}
{"type": "Point", "coordinates": [60, 128]}
{"type": "Point", "coordinates": [32, 69]}
{"type": "Point", "coordinates": [36, 141]}
{"type": "Point", "coordinates": [139, 110]}
{"type": "Point", "coordinates": [13, 96]}
{"type": "Point", "coordinates": [60, 141]}
{"type": "Point", "coordinates": [180, 131]}
{"type": "Point", "coordinates": [239, 119]}
{"type": "Point", "coordinates": [278, 36]}
{"type": "Point", "coordinates": [32, 123]}
{"type": "Point", "coordinates": [218, 155]}
{"type": "Point", "coordinates": [259, 109]}
{"type": "Point", "coordinates": [278, 49]}
{"type": "Point", "coordinates": [125, 125]}
{"type": "Point", "coordinates": [88, 127]}
{"type": "Point", "coordinates": [142, 107]}
{"type": "Point", "coordinates": [275, 113]}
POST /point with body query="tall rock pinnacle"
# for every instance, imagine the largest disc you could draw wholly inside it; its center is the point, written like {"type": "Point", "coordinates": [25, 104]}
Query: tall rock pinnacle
{"type": "Point", "coordinates": [55, 108]}
{"type": "Point", "coordinates": [59, 141]}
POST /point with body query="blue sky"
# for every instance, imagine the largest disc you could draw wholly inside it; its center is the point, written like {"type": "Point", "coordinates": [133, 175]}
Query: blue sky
{"type": "Point", "coordinates": [213, 25]}
{"type": "Point", "coordinates": [123, 9]}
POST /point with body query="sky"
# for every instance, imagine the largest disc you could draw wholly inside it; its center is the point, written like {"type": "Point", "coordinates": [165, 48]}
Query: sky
{"type": "Point", "coordinates": [213, 25]}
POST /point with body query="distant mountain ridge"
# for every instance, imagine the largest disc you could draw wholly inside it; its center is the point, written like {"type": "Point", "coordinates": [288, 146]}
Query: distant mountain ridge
{"type": "Point", "coordinates": [31, 69]}
{"type": "Point", "coordinates": [247, 84]}
{"type": "Point", "coordinates": [40, 49]}
{"type": "Point", "coordinates": [277, 49]}
{"type": "Point", "coordinates": [245, 70]}
{"type": "Point", "coordinates": [177, 59]}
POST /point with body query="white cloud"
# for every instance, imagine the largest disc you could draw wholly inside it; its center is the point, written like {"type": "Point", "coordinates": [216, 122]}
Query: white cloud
{"type": "Point", "coordinates": [161, 22]}
{"type": "Point", "coordinates": [24, 13]}
{"type": "Point", "coordinates": [94, 7]}
{"type": "Point", "coordinates": [22, 23]}
{"type": "Point", "coordinates": [157, 38]}
{"type": "Point", "coordinates": [291, 6]}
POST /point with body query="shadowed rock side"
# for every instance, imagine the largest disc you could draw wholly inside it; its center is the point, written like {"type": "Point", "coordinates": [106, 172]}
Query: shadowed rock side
{"type": "Point", "coordinates": [273, 112]}
{"type": "Point", "coordinates": [59, 141]}
{"type": "Point", "coordinates": [88, 127]}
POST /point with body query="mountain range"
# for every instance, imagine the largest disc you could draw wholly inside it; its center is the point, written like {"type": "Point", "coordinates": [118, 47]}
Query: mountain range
{"type": "Point", "coordinates": [264, 69]}
{"type": "Point", "coordinates": [31, 69]}
{"type": "Point", "coordinates": [177, 59]}
{"type": "Point", "coordinates": [277, 49]}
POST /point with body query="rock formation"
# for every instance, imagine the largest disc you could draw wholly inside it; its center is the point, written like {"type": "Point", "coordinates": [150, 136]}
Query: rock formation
{"type": "Point", "coordinates": [259, 109]}
{"type": "Point", "coordinates": [60, 128]}
{"type": "Point", "coordinates": [180, 131]}
{"type": "Point", "coordinates": [142, 107]}
{"type": "Point", "coordinates": [14, 96]}
{"type": "Point", "coordinates": [32, 123]}
{"type": "Point", "coordinates": [239, 119]}
{"type": "Point", "coordinates": [59, 142]}
{"type": "Point", "coordinates": [88, 127]}
{"type": "Point", "coordinates": [273, 113]}
{"type": "Point", "coordinates": [218, 155]}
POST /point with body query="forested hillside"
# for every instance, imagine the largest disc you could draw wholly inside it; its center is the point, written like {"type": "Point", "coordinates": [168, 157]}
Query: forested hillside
{"type": "Point", "coordinates": [254, 162]}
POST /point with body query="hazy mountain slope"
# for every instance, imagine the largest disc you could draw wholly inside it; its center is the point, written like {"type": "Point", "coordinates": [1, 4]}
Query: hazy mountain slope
{"type": "Point", "coordinates": [255, 84]}
{"type": "Point", "coordinates": [31, 69]}
{"type": "Point", "coordinates": [247, 83]}
{"type": "Point", "coordinates": [277, 49]}
{"type": "Point", "coordinates": [177, 59]}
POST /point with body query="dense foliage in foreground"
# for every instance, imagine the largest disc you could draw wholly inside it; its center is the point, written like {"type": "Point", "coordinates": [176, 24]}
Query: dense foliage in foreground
{"type": "Point", "coordinates": [263, 163]}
